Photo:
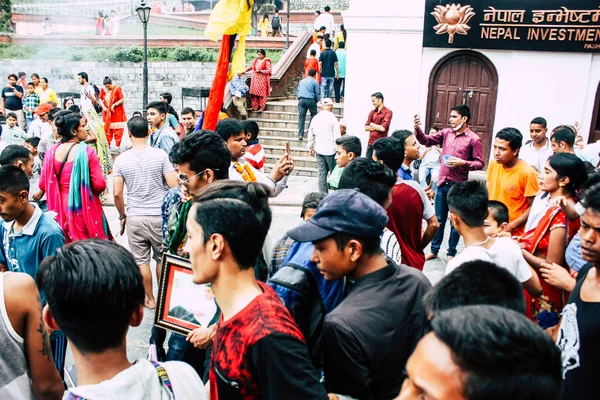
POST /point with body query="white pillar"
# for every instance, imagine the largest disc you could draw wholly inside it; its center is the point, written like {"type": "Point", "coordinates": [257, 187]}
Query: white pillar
{"type": "Point", "coordinates": [385, 40]}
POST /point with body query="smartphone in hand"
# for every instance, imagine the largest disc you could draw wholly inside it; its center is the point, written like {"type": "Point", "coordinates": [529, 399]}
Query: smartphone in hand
{"type": "Point", "coordinates": [287, 148]}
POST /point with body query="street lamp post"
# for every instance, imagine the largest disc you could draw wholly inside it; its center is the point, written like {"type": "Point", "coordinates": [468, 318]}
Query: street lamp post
{"type": "Point", "coordinates": [287, 29]}
{"type": "Point", "coordinates": [144, 13]}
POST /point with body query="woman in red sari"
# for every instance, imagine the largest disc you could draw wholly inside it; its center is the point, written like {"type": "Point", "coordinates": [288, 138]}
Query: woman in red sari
{"type": "Point", "coordinates": [545, 243]}
{"type": "Point", "coordinates": [111, 99]}
{"type": "Point", "coordinates": [260, 84]}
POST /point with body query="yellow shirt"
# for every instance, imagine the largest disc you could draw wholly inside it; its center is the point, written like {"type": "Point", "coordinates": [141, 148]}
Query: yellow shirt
{"type": "Point", "coordinates": [512, 186]}
{"type": "Point", "coordinates": [47, 95]}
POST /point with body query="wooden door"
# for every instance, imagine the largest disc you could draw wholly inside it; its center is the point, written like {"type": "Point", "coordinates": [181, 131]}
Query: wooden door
{"type": "Point", "coordinates": [464, 77]}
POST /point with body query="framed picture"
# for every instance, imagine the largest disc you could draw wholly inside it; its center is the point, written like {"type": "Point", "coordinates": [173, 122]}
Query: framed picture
{"type": "Point", "coordinates": [182, 305]}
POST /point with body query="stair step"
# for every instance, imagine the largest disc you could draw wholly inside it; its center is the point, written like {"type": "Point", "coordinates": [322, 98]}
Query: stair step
{"type": "Point", "coordinates": [281, 141]}
{"type": "Point", "coordinates": [298, 171]}
{"type": "Point", "coordinates": [279, 149]}
{"type": "Point", "coordinates": [281, 123]}
{"type": "Point", "coordinates": [299, 161]}
{"type": "Point", "coordinates": [278, 132]}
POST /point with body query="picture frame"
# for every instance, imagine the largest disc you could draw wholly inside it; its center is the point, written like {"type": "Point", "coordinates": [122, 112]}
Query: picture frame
{"type": "Point", "coordinates": [182, 305]}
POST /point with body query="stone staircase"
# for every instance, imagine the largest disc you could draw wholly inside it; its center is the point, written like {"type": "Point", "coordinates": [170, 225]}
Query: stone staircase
{"type": "Point", "coordinates": [278, 126]}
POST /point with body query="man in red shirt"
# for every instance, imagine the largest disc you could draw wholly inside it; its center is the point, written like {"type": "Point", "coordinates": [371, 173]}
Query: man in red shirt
{"type": "Point", "coordinates": [258, 351]}
{"type": "Point", "coordinates": [378, 122]}
{"type": "Point", "coordinates": [410, 206]}
{"type": "Point", "coordinates": [461, 152]}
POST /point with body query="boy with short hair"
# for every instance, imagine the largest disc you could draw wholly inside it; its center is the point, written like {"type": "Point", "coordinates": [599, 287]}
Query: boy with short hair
{"type": "Point", "coordinates": [35, 194]}
{"type": "Point", "coordinates": [497, 219]}
{"type": "Point", "coordinates": [468, 204]}
{"type": "Point", "coordinates": [13, 134]}
{"type": "Point", "coordinates": [255, 154]}
{"type": "Point", "coordinates": [348, 149]}
{"type": "Point", "coordinates": [30, 101]}
{"type": "Point", "coordinates": [163, 136]}
{"type": "Point", "coordinates": [102, 276]}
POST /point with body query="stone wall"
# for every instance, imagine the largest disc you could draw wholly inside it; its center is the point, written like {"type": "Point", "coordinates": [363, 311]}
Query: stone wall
{"type": "Point", "coordinates": [162, 77]}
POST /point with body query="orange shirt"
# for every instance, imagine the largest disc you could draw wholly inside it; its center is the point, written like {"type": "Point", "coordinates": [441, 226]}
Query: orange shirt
{"type": "Point", "coordinates": [312, 62]}
{"type": "Point", "coordinates": [512, 186]}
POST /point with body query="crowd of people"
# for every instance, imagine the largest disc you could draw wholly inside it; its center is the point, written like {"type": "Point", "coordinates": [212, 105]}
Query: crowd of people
{"type": "Point", "coordinates": [340, 308]}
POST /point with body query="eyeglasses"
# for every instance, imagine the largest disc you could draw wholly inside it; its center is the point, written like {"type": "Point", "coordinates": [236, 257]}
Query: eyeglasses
{"type": "Point", "coordinates": [183, 182]}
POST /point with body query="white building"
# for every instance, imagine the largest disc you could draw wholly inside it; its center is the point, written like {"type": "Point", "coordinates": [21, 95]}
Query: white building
{"type": "Point", "coordinates": [509, 87]}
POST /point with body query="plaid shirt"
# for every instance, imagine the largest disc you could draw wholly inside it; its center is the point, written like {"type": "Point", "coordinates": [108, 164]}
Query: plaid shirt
{"type": "Point", "coordinates": [31, 101]}
{"type": "Point", "coordinates": [279, 251]}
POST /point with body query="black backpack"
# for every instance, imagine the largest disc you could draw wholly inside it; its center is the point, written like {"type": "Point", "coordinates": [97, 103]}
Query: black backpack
{"type": "Point", "coordinates": [276, 22]}
{"type": "Point", "coordinates": [97, 106]}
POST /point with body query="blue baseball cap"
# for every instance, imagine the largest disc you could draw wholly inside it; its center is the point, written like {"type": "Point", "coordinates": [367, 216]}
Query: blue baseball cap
{"type": "Point", "coordinates": [344, 211]}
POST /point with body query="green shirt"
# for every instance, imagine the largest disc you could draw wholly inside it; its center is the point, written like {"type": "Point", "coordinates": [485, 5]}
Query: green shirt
{"type": "Point", "coordinates": [14, 135]}
{"type": "Point", "coordinates": [334, 178]}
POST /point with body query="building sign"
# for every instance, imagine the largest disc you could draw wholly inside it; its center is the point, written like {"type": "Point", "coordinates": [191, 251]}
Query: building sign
{"type": "Point", "coordinates": [538, 25]}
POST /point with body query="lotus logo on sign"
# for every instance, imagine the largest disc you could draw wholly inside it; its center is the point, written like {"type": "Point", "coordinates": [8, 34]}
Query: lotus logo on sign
{"type": "Point", "coordinates": [452, 19]}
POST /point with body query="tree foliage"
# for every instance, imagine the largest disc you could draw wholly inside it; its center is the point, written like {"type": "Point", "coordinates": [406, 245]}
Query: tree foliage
{"type": "Point", "coordinates": [5, 16]}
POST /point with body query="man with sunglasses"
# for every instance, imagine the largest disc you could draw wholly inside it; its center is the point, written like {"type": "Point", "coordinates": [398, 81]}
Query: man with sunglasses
{"type": "Point", "coordinates": [146, 171]}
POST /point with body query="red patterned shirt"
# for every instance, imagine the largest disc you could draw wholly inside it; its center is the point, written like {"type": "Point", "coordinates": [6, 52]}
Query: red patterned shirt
{"type": "Point", "coordinates": [261, 354]}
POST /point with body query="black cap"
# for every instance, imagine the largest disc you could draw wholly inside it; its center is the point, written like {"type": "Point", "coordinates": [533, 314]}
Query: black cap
{"type": "Point", "coordinates": [344, 211]}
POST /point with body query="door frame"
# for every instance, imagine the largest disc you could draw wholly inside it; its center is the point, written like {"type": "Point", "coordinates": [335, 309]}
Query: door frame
{"type": "Point", "coordinates": [595, 117]}
{"type": "Point", "coordinates": [435, 73]}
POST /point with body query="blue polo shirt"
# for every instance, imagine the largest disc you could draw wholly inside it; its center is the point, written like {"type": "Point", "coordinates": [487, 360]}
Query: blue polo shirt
{"type": "Point", "coordinates": [24, 251]}
{"type": "Point", "coordinates": [404, 173]}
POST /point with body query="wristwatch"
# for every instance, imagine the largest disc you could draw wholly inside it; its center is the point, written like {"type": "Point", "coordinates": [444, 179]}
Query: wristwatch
{"type": "Point", "coordinates": [122, 217]}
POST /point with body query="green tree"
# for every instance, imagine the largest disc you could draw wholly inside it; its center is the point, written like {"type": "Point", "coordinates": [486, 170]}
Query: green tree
{"type": "Point", "coordinates": [5, 16]}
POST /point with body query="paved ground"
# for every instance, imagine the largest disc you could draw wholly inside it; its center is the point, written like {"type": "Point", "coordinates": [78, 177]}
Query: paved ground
{"type": "Point", "coordinates": [286, 215]}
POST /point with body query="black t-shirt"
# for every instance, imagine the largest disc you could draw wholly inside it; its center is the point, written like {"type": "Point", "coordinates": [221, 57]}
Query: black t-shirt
{"type": "Point", "coordinates": [328, 58]}
{"type": "Point", "coordinates": [579, 341]}
{"type": "Point", "coordinates": [11, 101]}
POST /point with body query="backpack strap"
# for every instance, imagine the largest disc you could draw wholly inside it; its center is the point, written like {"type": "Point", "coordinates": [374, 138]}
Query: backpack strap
{"type": "Point", "coordinates": [164, 378]}
{"type": "Point", "coordinates": [71, 396]}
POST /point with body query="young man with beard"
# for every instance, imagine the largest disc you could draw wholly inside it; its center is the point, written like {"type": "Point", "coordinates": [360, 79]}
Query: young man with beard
{"type": "Point", "coordinates": [461, 152]}
{"type": "Point", "coordinates": [188, 120]}
{"type": "Point", "coordinates": [369, 336]}
{"type": "Point", "coordinates": [511, 180]}
{"type": "Point", "coordinates": [232, 132]}
{"type": "Point", "coordinates": [378, 121]}
{"type": "Point", "coordinates": [162, 136]}
{"type": "Point", "coordinates": [536, 151]}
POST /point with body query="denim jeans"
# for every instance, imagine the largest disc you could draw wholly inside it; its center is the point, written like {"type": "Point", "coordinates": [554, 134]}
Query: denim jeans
{"type": "Point", "coordinates": [326, 83]}
{"type": "Point", "coordinates": [425, 171]}
{"type": "Point", "coordinates": [325, 165]}
{"type": "Point", "coordinates": [305, 105]}
{"type": "Point", "coordinates": [441, 211]}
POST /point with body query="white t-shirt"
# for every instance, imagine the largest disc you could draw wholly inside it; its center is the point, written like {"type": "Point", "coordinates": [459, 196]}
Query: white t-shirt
{"type": "Point", "coordinates": [505, 253]}
{"type": "Point", "coordinates": [141, 382]}
{"type": "Point", "coordinates": [86, 92]}
{"type": "Point", "coordinates": [390, 246]}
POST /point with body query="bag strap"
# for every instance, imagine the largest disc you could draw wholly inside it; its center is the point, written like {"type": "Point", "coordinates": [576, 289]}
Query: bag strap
{"type": "Point", "coordinates": [62, 165]}
{"type": "Point", "coordinates": [164, 378]}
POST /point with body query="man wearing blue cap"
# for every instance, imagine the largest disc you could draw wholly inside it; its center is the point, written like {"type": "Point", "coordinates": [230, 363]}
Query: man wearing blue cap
{"type": "Point", "coordinates": [370, 335]}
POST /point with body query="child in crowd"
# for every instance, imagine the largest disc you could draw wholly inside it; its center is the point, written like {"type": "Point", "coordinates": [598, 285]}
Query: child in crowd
{"type": "Point", "coordinates": [255, 154]}
{"type": "Point", "coordinates": [30, 101]}
{"type": "Point", "coordinates": [497, 220]}
{"type": "Point", "coordinates": [34, 182]}
{"type": "Point", "coordinates": [348, 149]}
{"type": "Point", "coordinates": [102, 276]}
{"type": "Point", "coordinates": [13, 134]}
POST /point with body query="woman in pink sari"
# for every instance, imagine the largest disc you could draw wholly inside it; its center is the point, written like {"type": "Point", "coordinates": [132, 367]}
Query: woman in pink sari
{"type": "Point", "coordinates": [547, 233]}
{"type": "Point", "coordinates": [260, 83]}
{"type": "Point", "coordinates": [111, 100]}
{"type": "Point", "coordinates": [72, 179]}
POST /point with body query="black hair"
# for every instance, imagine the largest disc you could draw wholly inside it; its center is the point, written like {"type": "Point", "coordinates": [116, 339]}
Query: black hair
{"type": "Point", "coordinates": [370, 245]}
{"type": "Point", "coordinates": [75, 109]}
{"type": "Point", "coordinates": [262, 51]}
{"type": "Point", "coordinates": [55, 112]}
{"type": "Point", "coordinates": [35, 75]}
{"type": "Point", "coordinates": [501, 354]}
{"type": "Point", "coordinates": [138, 127]}
{"type": "Point", "coordinates": [313, 52]}
{"type": "Point", "coordinates": [435, 128]}
{"type": "Point", "coordinates": [167, 96]}
{"type": "Point", "coordinates": [344, 33]}
{"type": "Point", "coordinates": [188, 110]}
{"type": "Point", "coordinates": [590, 197]}
{"type": "Point", "coordinates": [43, 78]}
{"type": "Point", "coordinates": [341, 45]}
{"type": "Point", "coordinates": [565, 134]}
{"type": "Point", "coordinates": [476, 283]}
{"type": "Point", "coordinates": [311, 71]}
{"type": "Point", "coordinates": [402, 135]}
{"type": "Point", "coordinates": [469, 200]}
{"type": "Point", "coordinates": [21, 74]}
{"type": "Point", "coordinates": [11, 115]}
{"type": "Point", "coordinates": [513, 136]}
{"type": "Point", "coordinates": [328, 43]}
{"type": "Point", "coordinates": [66, 124]}
{"type": "Point", "coordinates": [370, 177]}
{"type": "Point", "coordinates": [64, 103]}
{"type": "Point", "coordinates": [498, 211]}
{"type": "Point", "coordinates": [571, 166]}
{"type": "Point", "coordinates": [107, 80]}
{"type": "Point", "coordinates": [240, 212]}
{"type": "Point", "coordinates": [33, 141]}
{"type": "Point", "coordinates": [327, 8]}
{"type": "Point", "coordinates": [311, 201]}
{"type": "Point", "coordinates": [159, 106]}
{"type": "Point", "coordinates": [377, 95]}
{"type": "Point", "coordinates": [463, 110]}
{"type": "Point", "coordinates": [251, 127]}
{"type": "Point", "coordinates": [13, 153]}
{"type": "Point", "coordinates": [540, 121]}
{"type": "Point", "coordinates": [351, 144]}
{"type": "Point", "coordinates": [229, 127]}
{"type": "Point", "coordinates": [93, 288]}
{"type": "Point", "coordinates": [84, 75]}
{"type": "Point", "coordinates": [13, 179]}
{"type": "Point", "coordinates": [137, 113]}
{"type": "Point", "coordinates": [202, 150]}
{"type": "Point", "coordinates": [323, 28]}
{"type": "Point", "coordinates": [31, 84]}
{"type": "Point", "coordinates": [13, 76]}
{"type": "Point", "coordinates": [318, 12]}
{"type": "Point", "coordinates": [390, 151]}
